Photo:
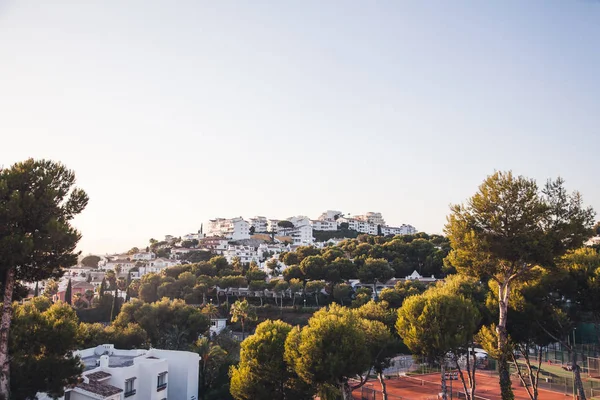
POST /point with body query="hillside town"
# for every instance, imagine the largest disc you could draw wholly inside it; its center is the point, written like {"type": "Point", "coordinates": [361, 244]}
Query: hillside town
{"type": "Point", "coordinates": [165, 169]}
{"type": "Point", "coordinates": [257, 241]}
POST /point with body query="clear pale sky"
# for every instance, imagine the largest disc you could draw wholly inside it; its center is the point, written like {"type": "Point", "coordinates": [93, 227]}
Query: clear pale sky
{"type": "Point", "coordinates": [172, 113]}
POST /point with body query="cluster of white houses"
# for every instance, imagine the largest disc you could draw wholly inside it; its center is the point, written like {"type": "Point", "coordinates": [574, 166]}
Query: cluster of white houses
{"type": "Point", "coordinates": [300, 228]}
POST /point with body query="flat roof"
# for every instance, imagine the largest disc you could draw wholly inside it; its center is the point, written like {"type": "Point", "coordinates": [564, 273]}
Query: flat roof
{"type": "Point", "coordinates": [114, 361]}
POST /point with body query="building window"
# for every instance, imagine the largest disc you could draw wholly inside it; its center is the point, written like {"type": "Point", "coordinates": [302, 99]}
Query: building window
{"type": "Point", "coordinates": [129, 387]}
{"type": "Point", "coordinates": [162, 382]}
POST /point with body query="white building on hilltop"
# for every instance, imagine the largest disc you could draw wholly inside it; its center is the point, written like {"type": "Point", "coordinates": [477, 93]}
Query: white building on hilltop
{"type": "Point", "coordinates": [112, 374]}
{"type": "Point", "coordinates": [403, 229]}
{"type": "Point", "coordinates": [144, 256]}
{"type": "Point", "coordinates": [260, 224]}
{"type": "Point", "coordinates": [330, 215]}
{"type": "Point", "coordinates": [372, 218]}
{"type": "Point", "coordinates": [324, 225]}
{"type": "Point", "coordinates": [246, 254]}
{"type": "Point", "coordinates": [231, 228]}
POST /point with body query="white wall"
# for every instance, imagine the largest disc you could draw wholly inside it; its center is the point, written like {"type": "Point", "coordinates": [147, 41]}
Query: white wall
{"type": "Point", "coordinates": [183, 373]}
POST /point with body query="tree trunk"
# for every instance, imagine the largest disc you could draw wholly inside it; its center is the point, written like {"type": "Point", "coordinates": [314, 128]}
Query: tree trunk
{"type": "Point", "coordinates": [346, 391]}
{"type": "Point", "coordinates": [317, 299]}
{"type": "Point", "coordinates": [577, 376]}
{"type": "Point", "coordinates": [203, 298]}
{"type": "Point", "coordinates": [294, 300]}
{"type": "Point", "coordinates": [444, 388]}
{"type": "Point", "coordinates": [243, 333]}
{"type": "Point", "coordinates": [9, 285]}
{"type": "Point", "coordinates": [503, 370]}
{"type": "Point", "coordinates": [261, 300]}
{"type": "Point", "coordinates": [383, 388]}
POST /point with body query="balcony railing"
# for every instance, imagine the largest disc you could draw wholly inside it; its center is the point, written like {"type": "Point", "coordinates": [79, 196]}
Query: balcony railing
{"type": "Point", "coordinates": [130, 393]}
{"type": "Point", "coordinates": [160, 387]}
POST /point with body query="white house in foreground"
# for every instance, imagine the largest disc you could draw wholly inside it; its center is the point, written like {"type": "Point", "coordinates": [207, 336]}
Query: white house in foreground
{"type": "Point", "coordinates": [112, 374]}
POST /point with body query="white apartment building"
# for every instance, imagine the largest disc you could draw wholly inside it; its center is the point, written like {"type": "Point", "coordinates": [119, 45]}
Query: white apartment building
{"type": "Point", "coordinates": [144, 256]}
{"type": "Point", "coordinates": [302, 235]}
{"type": "Point", "coordinates": [246, 254]}
{"type": "Point", "coordinates": [124, 264]}
{"type": "Point", "coordinates": [276, 249]}
{"type": "Point", "coordinates": [215, 244]}
{"type": "Point", "coordinates": [324, 225]}
{"type": "Point", "coordinates": [260, 224]}
{"type": "Point", "coordinates": [112, 374]}
{"type": "Point", "coordinates": [190, 236]}
{"type": "Point", "coordinates": [404, 229]}
{"type": "Point", "coordinates": [231, 228]}
{"type": "Point", "coordinates": [359, 225]}
{"type": "Point", "coordinates": [156, 266]}
{"type": "Point", "coordinates": [330, 215]}
{"type": "Point", "coordinates": [272, 225]}
{"type": "Point", "coordinates": [371, 217]}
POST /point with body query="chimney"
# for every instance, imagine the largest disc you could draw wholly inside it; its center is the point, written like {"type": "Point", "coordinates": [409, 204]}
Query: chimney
{"type": "Point", "coordinates": [104, 361]}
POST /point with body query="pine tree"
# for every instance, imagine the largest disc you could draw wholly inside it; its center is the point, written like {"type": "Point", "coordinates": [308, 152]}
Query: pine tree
{"type": "Point", "coordinates": [68, 293]}
{"type": "Point", "coordinates": [102, 287]}
{"type": "Point", "coordinates": [38, 201]}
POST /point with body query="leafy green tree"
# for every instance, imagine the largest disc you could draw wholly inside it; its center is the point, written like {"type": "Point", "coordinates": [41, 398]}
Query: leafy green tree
{"type": "Point", "coordinates": [90, 261]}
{"type": "Point", "coordinates": [133, 250]}
{"type": "Point", "coordinates": [242, 311]}
{"type": "Point", "coordinates": [375, 270]}
{"type": "Point", "coordinates": [313, 267]}
{"type": "Point", "coordinates": [219, 262]}
{"type": "Point", "coordinates": [293, 272]}
{"type": "Point", "coordinates": [204, 285]}
{"type": "Point", "coordinates": [505, 230]}
{"type": "Point", "coordinates": [362, 297]}
{"type": "Point", "coordinates": [262, 372]}
{"type": "Point", "coordinates": [285, 224]}
{"type": "Point", "coordinates": [169, 324]}
{"type": "Point", "coordinates": [295, 286]}
{"type": "Point", "coordinates": [210, 310]}
{"type": "Point", "coordinates": [131, 336]}
{"type": "Point", "coordinates": [273, 266]}
{"type": "Point", "coordinates": [149, 284]}
{"type": "Point", "coordinates": [289, 258]}
{"type": "Point", "coordinates": [68, 293]}
{"type": "Point", "coordinates": [51, 289]}
{"type": "Point", "coordinates": [341, 291]}
{"type": "Point", "coordinates": [401, 291]}
{"type": "Point", "coordinates": [382, 348]}
{"type": "Point", "coordinates": [212, 360]}
{"type": "Point", "coordinates": [315, 287]}
{"type": "Point", "coordinates": [47, 353]}
{"type": "Point", "coordinates": [38, 201]}
{"type": "Point", "coordinates": [329, 351]}
{"type": "Point", "coordinates": [256, 275]}
{"type": "Point", "coordinates": [258, 287]}
{"type": "Point", "coordinates": [204, 268]}
{"type": "Point", "coordinates": [435, 323]}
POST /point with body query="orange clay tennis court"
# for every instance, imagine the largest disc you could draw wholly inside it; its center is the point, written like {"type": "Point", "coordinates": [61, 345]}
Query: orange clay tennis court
{"type": "Point", "coordinates": [427, 387]}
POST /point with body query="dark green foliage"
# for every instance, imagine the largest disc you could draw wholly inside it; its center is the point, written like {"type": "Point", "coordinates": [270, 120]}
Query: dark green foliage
{"type": "Point", "coordinates": [169, 324]}
{"type": "Point", "coordinates": [68, 293]}
{"type": "Point", "coordinates": [197, 256]}
{"type": "Point", "coordinates": [262, 372]}
{"type": "Point", "coordinates": [47, 353]}
{"type": "Point", "coordinates": [90, 261]}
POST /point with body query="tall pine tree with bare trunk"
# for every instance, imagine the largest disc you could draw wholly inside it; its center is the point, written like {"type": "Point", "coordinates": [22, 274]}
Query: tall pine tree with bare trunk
{"type": "Point", "coordinates": [38, 201]}
{"type": "Point", "coordinates": [505, 230]}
